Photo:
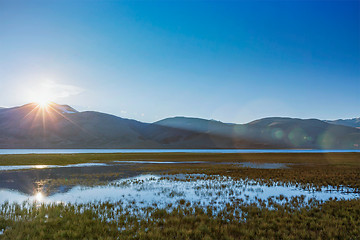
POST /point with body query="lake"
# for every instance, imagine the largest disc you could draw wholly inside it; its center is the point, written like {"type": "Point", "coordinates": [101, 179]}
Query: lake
{"type": "Point", "coordinates": [152, 190]}
{"type": "Point", "coordinates": [127, 182]}
{"type": "Point", "coordinates": [73, 151]}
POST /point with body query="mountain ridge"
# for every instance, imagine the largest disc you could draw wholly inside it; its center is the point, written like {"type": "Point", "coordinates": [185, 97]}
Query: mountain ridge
{"type": "Point", "coordinates": [61, 126]}
{"type": "Point", "coordinates": [351, 122]}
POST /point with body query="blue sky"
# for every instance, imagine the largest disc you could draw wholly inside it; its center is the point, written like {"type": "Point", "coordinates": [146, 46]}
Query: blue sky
{"type": "Point", "coordinates": [234, 61]}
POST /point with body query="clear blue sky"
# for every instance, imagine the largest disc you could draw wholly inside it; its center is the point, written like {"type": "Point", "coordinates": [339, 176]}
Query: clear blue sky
{"type": "Point", "coordinates": [233, 61]}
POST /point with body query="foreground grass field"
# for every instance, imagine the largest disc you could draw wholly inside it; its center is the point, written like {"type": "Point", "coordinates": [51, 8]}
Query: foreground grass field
{"type": "Point", "coordinates": [330, 220]}
{"type": "Point", "coordinates": [293, 218]}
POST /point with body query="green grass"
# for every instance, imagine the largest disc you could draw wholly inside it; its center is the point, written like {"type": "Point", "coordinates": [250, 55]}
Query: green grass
{"type": "Point", "coordinates": [348, 159]}
{"type": "Point", "coordinates": [295, 219]}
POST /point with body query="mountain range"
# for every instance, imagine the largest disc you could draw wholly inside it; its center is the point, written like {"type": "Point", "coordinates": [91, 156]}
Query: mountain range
{"type": "Point", "coordinates": [61, 126]}
{"type": "Point", "coordinates": [353, 122]}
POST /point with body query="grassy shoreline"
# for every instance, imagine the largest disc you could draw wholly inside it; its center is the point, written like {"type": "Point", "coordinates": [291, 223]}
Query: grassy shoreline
{"type": "Point", "coordinates": [64, 159]}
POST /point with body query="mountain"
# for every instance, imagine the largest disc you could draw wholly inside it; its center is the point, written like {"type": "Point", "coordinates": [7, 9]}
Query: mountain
{"type": "Point", "coordinates": [279, 132]}
{"type": "Point", "coordinates": [306, 133]}
{"type": "Point", "coordinates": [353, 122]}
{"type": "Point", "coordinates": [61, 126]}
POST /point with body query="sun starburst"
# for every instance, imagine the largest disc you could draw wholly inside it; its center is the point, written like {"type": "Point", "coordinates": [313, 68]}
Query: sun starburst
{"type": "Point", "coordinates": [43, 103]}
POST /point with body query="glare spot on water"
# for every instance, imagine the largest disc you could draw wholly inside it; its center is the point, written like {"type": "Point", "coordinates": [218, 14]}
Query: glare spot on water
{"type": "Point", "coordinates": [40, 166]}
{"type": "Point", "coordinates": [39, 196]}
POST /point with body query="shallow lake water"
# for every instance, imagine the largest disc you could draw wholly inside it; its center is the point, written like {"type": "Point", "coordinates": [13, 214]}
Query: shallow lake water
{"type": "Point", "coordinates": [22, 167]}
{"type": "Point", "coordinates": [109, 164]}
{"type": "Point", "coordinates": [160, 191]}
{"type": "Point", "coordinates": [264, 165]}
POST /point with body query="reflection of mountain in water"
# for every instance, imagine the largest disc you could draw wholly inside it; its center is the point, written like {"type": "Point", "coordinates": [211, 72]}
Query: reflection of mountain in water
{"type": "Point", "coordinates": [32, 181]}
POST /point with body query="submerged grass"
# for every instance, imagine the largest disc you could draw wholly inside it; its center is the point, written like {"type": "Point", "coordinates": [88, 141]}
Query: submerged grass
{"type": "Point", "coordinates": [293, 219]}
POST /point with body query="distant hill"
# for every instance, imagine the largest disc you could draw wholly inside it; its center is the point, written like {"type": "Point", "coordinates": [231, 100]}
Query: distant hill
{"type": "Point", "coordinates": [61, 126]}
{"type": "Point", "coordinates": [280, 132]}
{"type": "Point", "coordinates": [353, 122]}
{"type": "Point", "coordinates": [303, 133]}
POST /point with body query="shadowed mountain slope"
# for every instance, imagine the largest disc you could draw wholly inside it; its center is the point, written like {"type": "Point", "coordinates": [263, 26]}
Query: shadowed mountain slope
{"type": "Point", "coordinates": [353, 122]}
{"type": "Point", "coordinates": [60, 126]}
{"type": "Point", "coordinates": [281, 132]}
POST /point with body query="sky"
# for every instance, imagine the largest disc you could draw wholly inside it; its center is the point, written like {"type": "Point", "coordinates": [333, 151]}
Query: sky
{"type": "Point", "coordinates": [233, 61]}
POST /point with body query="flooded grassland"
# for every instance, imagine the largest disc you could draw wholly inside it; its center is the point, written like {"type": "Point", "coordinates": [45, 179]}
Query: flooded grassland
{"type": "Point", "coordinates": [180, 195]}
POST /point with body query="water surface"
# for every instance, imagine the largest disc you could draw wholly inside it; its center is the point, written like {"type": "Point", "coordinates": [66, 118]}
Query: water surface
{"type": "Point", "coordinates": [73, 151]}
{"type": "Point", "coordinates": [153, 190]}
{"type": "Point", "coordinates": [22, 167]}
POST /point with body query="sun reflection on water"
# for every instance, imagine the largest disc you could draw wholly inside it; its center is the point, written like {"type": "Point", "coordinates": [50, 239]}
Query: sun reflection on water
{"type": "Point", "coordinates": [39, 196]}
{"type": "Point", "coordinates": [40, 166]}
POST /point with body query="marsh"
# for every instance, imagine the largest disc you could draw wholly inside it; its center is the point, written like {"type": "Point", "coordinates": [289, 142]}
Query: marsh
{"type": "Point", "coordinates": [121, 187]}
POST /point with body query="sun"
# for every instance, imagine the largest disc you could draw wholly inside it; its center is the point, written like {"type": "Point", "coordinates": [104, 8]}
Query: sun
{"type": "Point", "coordinates": [43, 103]}
{"type": "Point", "coordinates": [42, 99]}
{"type": "Point", "coordinates": [42, 95]}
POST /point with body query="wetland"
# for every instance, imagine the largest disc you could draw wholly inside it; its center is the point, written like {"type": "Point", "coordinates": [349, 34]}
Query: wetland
{"type": "Point", "coordinates": [180, 195]}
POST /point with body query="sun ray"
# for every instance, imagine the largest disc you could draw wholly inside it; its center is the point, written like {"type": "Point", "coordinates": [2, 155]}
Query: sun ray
{"type": "Point", "coordinates": [46, 112]}
{"type": "Point", "coordinates": [68, 119]}
{"type": "Point", "coordinates": [31, 111]}
{"type": "Point", "coordinates": [43, 121]}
